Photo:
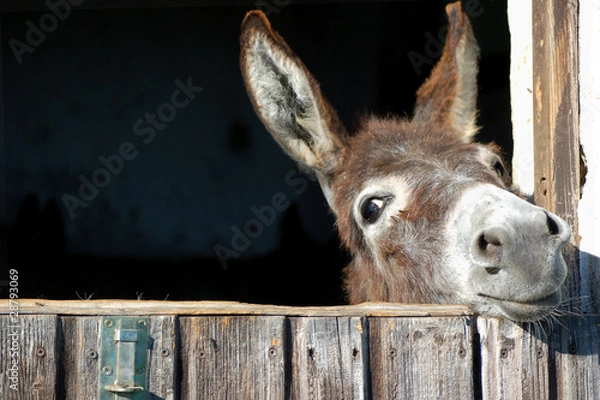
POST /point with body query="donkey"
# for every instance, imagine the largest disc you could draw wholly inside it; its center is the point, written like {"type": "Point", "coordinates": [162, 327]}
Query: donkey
{"type": "Point", "coordinates": [427, 214]}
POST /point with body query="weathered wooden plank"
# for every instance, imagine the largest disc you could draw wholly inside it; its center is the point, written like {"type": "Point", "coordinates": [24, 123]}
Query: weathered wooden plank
{"type": "Point", "coordinates": [80, 351]}
{"type": "Point", "coordinates": [81, 347]}
{"type": "Point", "coordinates": [230, 357]}
{"type": "Point", "coordinates": [514, 363]}
{"type": "Point", "coordinates": [561, 362]}
{"type": "Point", "coordinates": [589, 98]}
{"type": "Point", "coordinates": [421, 358]}
{"type": "Point", "coordinates": [29, 362]}
{"type": "Point", "coordinates": [329, 358]}
{"type": "Point", "coordinates": [164, 357]}
{"type": "Point", "coordinates": [575, 348]}
{"type": "Point", "coordinates": [151, 307]}
{"type": "Point", "coordinates": [556, 121]}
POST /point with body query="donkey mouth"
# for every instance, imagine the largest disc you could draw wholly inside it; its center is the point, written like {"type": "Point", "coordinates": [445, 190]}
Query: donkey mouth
{"type": "Point", "coordinates": [525, 310]}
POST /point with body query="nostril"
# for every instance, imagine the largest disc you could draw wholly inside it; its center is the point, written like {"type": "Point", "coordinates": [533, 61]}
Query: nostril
{"type": "Point", "coordinates": [482, 243]}
{"type": "Point", "coordinates": [552, 225]}
{"type": "Point", "coordinates": [489, 243]}
{"type": "Point", "coordinates": [490, 250]}
{"type": "Point", "coordinates": [492, 270]}
{"type": "Point", "coordinates": [489, 246]}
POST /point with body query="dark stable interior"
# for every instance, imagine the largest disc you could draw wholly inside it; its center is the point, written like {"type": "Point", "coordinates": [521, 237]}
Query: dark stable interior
{"type": "Point", "coordinates": [135, 166]}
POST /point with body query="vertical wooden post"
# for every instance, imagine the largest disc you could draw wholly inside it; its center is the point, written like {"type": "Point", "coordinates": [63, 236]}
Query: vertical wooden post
{"type": "Point", "coordinates": [589, 212]}
{"type": "Point", "coordinates": [556, 121]}
{"type": "Point", "coordinates": [558, 171]}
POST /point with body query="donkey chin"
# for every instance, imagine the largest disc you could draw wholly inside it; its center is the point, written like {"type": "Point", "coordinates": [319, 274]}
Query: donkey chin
{"type": "Point", "coordinates": [507, 254]}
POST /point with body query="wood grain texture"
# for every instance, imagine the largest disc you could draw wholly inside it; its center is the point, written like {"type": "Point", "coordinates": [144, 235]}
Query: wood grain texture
{"type": "Point", "coordinates": [421, 358]}
{"type": "Point", "coordinates": [80, 350]}
{"type": "Point", "coordinates": [34, 339]}
{"type": "Point", "coordinates": [151, 307]}
{"type": "Point", "coordinates": [164, 356]}
{"type": "Point", "coordinates": [329, 358]}
{"type": "Point", "coordinates": [589, 98]}
{"type": "Point", "coordinates": [233, 357]}
{"type": "Point", "coordinates": [558, 160]}
{"type": "Point", "coordinates": [556, 122]}
{"type": "Point", "coordinates": [557, 362]}
{"type": "Point", "coordinates": [575, 353]}
{"type": "Point", "coordinates": [514, 363]}
{"type": "Point", "coordinates": [343, 357]}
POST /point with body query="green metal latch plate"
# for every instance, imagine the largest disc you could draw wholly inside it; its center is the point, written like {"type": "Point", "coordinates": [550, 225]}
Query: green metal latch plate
{"type": "Point", "coordinates": [124, 352]}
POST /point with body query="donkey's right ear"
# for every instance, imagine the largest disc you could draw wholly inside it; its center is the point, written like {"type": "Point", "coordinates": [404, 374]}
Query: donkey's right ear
{"type": "Point", "coordinates": [288, 100]}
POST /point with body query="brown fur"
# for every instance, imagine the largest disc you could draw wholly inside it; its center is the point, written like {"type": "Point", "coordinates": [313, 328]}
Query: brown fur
{"type": "Point", "coordinates": [431, 157]}
{"type": "Point", "coordinates": [429, 151]}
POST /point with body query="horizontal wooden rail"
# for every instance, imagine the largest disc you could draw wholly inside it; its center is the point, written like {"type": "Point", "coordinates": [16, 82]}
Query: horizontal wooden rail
{"type": "Point", "coordinates": [153, 307]}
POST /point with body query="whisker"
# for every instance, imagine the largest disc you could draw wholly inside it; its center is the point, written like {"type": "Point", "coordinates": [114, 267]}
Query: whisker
{"type": "Point", "coordinates": [550, 323]}
{"type": "Point", "coordinates": [85, 296]}
{"type": "Point", "coordinates": [571, 306]}
{"type": "Point", "coordinates": [555, 317]}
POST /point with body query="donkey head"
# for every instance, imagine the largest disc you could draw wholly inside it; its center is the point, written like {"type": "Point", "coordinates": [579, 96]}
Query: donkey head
{"type": "Point", "coordinates": [428, 215]}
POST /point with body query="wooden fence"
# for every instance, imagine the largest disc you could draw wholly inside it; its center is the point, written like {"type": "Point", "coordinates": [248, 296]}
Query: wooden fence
{"type": "Point", "coordinates": [208, 350]}
{"type": "Point", "coordinates": [223, 350]}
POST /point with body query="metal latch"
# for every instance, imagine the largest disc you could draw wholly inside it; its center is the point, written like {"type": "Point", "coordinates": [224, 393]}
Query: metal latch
{"type": "Point", "coordinates": [125, 348]}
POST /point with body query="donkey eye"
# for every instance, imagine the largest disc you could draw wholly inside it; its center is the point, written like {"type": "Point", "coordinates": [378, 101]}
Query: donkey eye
{"type": "Point", "coordinates": [499, 168]}
{"type": "Point", "coordinates": [372, 208]}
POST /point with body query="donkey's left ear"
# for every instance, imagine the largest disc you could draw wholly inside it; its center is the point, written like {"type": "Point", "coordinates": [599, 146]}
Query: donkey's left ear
{"type": "Point", "coordinates": [449, 96]}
